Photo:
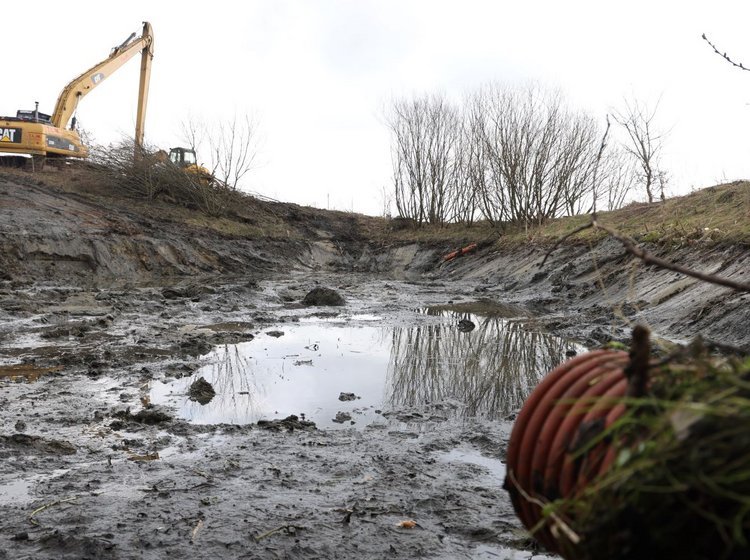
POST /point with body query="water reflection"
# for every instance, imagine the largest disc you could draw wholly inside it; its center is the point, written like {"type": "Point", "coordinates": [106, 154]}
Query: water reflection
{"type": "Point", "coordinates": [486, 371]}
{"type": "Point", "coordinates": [491, 369]}
{"type": "Point", "coordinates": [302, 372]}
{"type": "Point", "coordinates": [238, 393]}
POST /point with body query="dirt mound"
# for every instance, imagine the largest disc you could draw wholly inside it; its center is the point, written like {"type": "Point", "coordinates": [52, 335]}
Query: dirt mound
{"type": "Point", "coordinates": [323, 297]}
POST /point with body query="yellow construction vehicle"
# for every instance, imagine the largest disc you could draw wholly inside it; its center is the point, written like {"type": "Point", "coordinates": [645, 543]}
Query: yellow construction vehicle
{"type": "Point", "coordinates": [30, 137]}
{"type": "Point", "coordinates": [185, 159]}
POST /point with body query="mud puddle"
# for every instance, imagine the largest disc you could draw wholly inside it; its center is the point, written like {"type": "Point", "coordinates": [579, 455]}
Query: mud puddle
{"type": "Point", "coordinates": [362, 371]}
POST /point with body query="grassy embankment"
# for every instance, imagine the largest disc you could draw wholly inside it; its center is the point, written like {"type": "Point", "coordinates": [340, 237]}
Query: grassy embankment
{"type": "Point", "coordinates": [718, 214]}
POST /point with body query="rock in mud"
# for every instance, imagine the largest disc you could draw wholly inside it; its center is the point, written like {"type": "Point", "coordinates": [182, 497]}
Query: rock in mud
{"type": "Point", "coordinates": [348, 397]}
{"type": "Point", "coordinates": [342, 417]}
{"type": "Point", "coordinates": [22, 536]}
{"type": "Point", "coordinates": [201, 391]}
{"type": "Point", "coordinates": [323, 296]}
{"type": "Point", "coordinates": [464, 325]}
{"type": "Point", "coordinates": [289, 423]}
{"type": "Point", "coordinates": [148, 416]}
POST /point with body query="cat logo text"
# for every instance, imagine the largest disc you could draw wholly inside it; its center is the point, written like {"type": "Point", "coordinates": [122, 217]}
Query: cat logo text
{"type": "Point", "coordinates": [11, 135]}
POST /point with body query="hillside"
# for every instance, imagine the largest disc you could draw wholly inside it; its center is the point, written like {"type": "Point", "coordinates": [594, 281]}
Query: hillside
{"type": "Point", "coordinates": [59, 224]}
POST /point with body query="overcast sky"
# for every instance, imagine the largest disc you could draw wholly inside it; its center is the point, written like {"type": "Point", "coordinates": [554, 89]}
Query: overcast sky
{"type": "Point", "coordinates": [316, 74]}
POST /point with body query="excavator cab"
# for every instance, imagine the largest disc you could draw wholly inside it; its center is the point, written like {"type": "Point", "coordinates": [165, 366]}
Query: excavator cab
{"type": "Point", "coordinates": [185, 159]}
{"type": "Point", "coordinates": [182, 157]}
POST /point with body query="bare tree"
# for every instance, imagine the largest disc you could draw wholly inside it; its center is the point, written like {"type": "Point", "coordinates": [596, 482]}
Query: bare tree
{"type": "Point", "coordinates": [644, 143]}
{"type": "Point", "coordinates": [617, 178]}
{"type": "Point", "coordinates": [425, 133]}
{"type": "Point", "coordinates": [535, 158]}
{"type": "Point", "coordinates": [462, 204]}
{"type": "Point", "coordinates": [193, 131]}
{"type": "Point", "coordinates": [233, 146]}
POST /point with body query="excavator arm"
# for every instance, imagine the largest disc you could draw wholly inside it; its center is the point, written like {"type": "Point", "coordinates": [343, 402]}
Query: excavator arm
{"type": "Point", "coordinates": [83, 84]}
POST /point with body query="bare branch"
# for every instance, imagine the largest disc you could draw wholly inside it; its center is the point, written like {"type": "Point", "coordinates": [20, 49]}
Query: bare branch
{"type": "Point", "coordinates": [724, 55]}
{"type": "Point", "coordinates": [564, 238]}
{"type": "Point", "coordinates": [644, 144]}
{"type": "Point", "coordinates": [632, 247]}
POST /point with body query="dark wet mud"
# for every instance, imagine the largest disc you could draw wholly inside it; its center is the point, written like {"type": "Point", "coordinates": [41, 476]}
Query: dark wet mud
{"type": "Point", "coordinates": [375, 429]}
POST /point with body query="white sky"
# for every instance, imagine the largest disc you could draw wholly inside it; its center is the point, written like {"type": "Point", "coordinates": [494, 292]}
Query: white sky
{"type": "Point", "coordinates": [316, 74]}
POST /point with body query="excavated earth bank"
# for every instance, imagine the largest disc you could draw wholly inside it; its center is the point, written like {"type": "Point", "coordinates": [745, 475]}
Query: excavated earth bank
{"type": "Point", "coordinates": [101, 301]}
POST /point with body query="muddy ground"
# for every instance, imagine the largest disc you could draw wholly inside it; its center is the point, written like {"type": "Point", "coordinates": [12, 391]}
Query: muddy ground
{"type": "Point", "coordinates": [99, 304]}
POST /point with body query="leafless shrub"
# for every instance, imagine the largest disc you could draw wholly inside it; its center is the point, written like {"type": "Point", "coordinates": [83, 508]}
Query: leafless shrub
{"type": "Point", "coordinates": [644, 143]}
{"type": "Point", "coordinates": [150, 175]}
{"type": "Point", "coordinates": [425, 133]}
{"type": "Point", "coordinates": [510, 155]}
{"type": "Point", "coordinates": [233, 146]}
{"type": "Point", "coordinates": [537, 156]}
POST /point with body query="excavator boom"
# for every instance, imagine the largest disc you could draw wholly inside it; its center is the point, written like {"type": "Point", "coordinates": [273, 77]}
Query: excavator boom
{"type": "Point", "coordinates": [147, 54]}
{"type": "Point", "coordinates": [72, 93]}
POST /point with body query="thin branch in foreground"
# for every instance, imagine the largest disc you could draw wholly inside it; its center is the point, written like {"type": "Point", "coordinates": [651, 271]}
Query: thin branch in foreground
{"type": "Point", "coordinates": [724, 56]}
{"type": "Point", "coordinates": [565, 237]}
{"type": "Point", "coordinates": [572, 536]}
{"type": "Point", "coordinates": [632, 247]}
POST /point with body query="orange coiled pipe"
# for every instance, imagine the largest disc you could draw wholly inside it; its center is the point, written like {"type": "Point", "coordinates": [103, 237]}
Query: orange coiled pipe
{"type": "Point", "coordinates": [575, 400]}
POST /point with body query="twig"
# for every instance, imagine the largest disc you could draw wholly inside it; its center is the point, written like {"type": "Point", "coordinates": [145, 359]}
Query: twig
{"type": "Point", "coordinates": [602, 146]}
{"type": "Point", "coordinates": [636, 251]}
{"type": "Point", "coordinates": [636, 371]}
{"type": "Point", "coordinates": [572, 536]}
{"type": "Point", "coordinates": [196, 530]}
{"type": "Point", "coordinates": [201, 473]}
{"type": "Point", "coordinates": [631, 247]}
{"type": "Point", "coordinates": [40, 509]}
{"type": "Point", "coordinates": [288, 528]}
{"type": "Point", "coordinates": [724, 55]}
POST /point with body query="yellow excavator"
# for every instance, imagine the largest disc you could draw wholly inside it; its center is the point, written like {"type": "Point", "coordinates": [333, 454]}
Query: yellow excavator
{"type": "Point", "coordinates": [31, 137]}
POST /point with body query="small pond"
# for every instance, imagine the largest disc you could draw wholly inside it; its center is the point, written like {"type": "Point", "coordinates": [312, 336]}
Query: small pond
{"type": "Point", "coordinates": [449, 365]}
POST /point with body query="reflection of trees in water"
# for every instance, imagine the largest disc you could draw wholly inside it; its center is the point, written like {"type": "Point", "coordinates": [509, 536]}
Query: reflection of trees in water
{"type": "Point", "coordinates": [491, 369]}
{"type": "Point", "coordinates": [237, 392]}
